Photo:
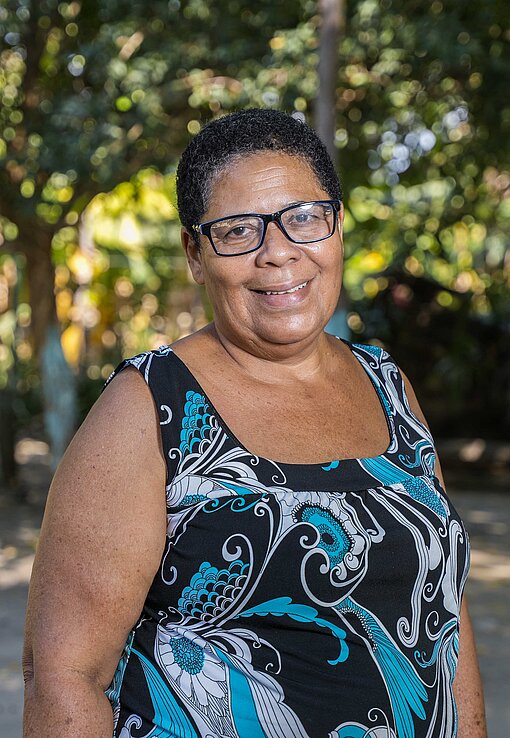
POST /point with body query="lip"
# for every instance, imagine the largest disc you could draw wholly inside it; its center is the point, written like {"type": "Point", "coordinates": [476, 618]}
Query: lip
{"type": "Point", "coordinates": [283, 288]}
{"type": "Point", "coordinates": [285, 300]}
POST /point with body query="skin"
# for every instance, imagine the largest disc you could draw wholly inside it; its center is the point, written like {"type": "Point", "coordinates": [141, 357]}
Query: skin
{"type": "Point", "coordinates": [95, 562]}
{"type": "Point", "coordinates": [285, 329]}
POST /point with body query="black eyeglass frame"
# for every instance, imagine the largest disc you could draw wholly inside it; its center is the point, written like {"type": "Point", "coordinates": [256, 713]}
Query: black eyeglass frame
{"type": "Point", "coordinates": [205, 228]}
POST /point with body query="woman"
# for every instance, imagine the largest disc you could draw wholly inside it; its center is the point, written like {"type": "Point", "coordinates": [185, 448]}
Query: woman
{"type": "Point", "coordinates": [307, 574]}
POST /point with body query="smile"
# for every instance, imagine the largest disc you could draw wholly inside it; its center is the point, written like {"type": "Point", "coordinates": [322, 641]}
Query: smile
{"type": "Point", "coordinates": [283, 292]}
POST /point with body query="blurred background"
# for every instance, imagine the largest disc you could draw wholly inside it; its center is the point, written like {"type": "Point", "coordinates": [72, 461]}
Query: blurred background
{"type": "Point", "coordinates": [97, 101]}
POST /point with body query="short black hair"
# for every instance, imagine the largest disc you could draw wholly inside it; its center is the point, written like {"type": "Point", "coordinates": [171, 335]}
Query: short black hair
{"type": "Point", "coordinates": [243, 133]}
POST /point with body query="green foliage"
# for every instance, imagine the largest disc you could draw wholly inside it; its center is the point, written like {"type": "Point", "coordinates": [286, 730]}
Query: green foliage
{"type": "Point", "coordinates": [423, 135]}
{"type": "Point", "coordinates": [101, 97]}
{"type": "Point", "coordinates": [92, 92]}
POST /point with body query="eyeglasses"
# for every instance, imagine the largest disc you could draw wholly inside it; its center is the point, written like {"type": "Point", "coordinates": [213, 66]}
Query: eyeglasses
{"type": "Point", "coordinates": [306, 222]}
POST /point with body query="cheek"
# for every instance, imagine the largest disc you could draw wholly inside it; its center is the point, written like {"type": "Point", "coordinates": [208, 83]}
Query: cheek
{"type": "Point", "coordinates": [330, 261]}
{"type": "Point", "coordinates": [224, 287]}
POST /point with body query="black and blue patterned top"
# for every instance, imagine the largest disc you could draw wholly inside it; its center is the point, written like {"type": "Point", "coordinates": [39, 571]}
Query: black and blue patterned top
{"type": "Point", "coordinates": [294, 600]}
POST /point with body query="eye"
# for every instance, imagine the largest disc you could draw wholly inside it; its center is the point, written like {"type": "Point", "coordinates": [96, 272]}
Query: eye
{"type": "Point", "coordinates": [239, 231]}
{"type": "Point", "coordinates": [242, 232]}
{"type": "Point", "coordinates": [303, 216]}
{"type": "Point", "coordinates": [306, 216]}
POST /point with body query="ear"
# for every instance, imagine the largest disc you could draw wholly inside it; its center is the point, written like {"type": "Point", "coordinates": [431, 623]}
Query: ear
{"type": "Point", "coordinates": [341, 214]}
{"type": "Point", "coordinates": [193, 255]}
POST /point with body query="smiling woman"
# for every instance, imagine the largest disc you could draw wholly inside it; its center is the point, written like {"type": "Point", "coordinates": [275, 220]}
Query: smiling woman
{"type": "Point", "coordinates": [249, 535]}
{"type": "Point", "coordinates": [255, 299]}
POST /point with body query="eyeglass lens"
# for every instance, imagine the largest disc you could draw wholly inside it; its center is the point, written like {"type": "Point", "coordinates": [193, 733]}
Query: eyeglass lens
{"type": "Point", "coordinates": [302, 223]}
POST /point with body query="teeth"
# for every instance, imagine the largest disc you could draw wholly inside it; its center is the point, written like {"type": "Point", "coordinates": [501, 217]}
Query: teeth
{"type": "Point", "coordinates": [287, 292]}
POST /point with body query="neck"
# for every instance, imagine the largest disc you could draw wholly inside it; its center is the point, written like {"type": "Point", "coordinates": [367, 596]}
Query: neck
{"type": "Point", "coordinates": [277, 364]}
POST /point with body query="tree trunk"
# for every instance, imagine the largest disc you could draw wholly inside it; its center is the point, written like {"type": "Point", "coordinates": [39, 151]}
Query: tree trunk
{"type": "Point", "coordinates": [59, 394]}
{"type": "Point", "coordinates": [57, 379]}
{"type": "Point", "coordinates": [8, 415]}
{"type": "Point", "coordinates": [332, 13]}
{"type": "Point", "coordinates": [36, 244]}
{"type": "Point", "coordinates": [8, 435]}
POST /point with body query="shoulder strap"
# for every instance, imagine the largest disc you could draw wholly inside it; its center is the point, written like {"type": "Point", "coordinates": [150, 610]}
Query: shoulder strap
{"type": "Point", "coordinates": [412, 438]}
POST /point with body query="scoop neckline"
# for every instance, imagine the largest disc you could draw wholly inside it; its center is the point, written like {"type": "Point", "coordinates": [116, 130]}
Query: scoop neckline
{"type": "Point", "coordinates": [331, 465]}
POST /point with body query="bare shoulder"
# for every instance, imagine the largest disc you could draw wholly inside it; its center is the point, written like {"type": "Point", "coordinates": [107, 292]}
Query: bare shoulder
{"type": "Point", "coordinates": [128, 391]}
{"type": "Point", "coordinates": [120, 432]}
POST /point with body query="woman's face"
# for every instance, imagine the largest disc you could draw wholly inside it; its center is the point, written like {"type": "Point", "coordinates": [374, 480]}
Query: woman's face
{"type": "Point", "coordinates": [248, 317]}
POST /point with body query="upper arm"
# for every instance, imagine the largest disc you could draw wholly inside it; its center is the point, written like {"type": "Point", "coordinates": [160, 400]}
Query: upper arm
{"type": "Point", "coordinates": [102, 536]}
{"type": "Point", "coordinates": [467, 686]}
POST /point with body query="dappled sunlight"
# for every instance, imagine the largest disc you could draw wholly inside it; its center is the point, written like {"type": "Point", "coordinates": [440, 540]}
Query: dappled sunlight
{"type": "Point", "coordinates": [89, 142]}
{"type": "Point", "coordinates": [490, 566]}
{"type": "Point", "coordinates": [15, 572]}
{"type": "Point", "coordinates": [28, 449]}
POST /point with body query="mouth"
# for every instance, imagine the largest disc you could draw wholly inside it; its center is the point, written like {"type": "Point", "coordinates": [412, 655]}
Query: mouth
{"type": "Point", "coordinates": [283, 292]}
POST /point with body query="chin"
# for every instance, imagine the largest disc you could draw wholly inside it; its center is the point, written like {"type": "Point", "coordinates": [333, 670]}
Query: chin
{"type": "Point", "coordinates": [290, 331]}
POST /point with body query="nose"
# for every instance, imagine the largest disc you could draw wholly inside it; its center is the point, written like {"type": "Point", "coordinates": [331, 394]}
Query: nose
{"type": "Point", "coordinates": [276, 248]}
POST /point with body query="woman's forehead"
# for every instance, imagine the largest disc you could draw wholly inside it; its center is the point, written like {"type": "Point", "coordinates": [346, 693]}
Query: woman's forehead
{"type": "Point", "coordinates": [266, 160]}
{"type": "Point", "coordinates": [269, 177]}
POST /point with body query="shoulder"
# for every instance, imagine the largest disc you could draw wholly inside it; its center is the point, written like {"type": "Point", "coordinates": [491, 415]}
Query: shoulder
{"type": "Point", "coordinates": [142, 362]}
{"type": "Point", "coordinates": [418, 412]}
{"type": "Point", "coordinates": [125, 416]}
{"type": "Point", "coordinates": [397, 384]}
{"type": "Point", "coordinates": [375, 353]}
{"type": "Point", "coordinates": [379, 357]}
{"type": "Point", "coordinates": [143, 377]}
{"type": "Point", "coordinates": [412, 398]}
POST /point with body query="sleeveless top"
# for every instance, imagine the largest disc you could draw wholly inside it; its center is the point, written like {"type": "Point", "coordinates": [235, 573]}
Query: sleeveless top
{"type": "Point", "coordinates": [294, 600]}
